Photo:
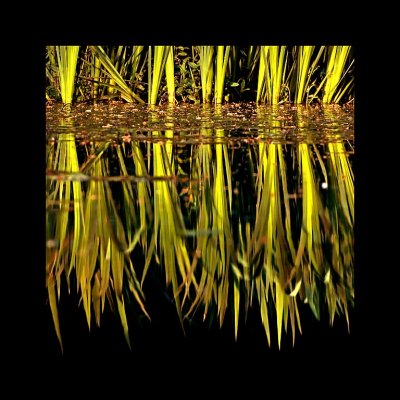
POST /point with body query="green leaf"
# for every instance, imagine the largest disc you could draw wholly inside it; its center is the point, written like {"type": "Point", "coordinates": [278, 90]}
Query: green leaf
{"type": "Point", "coordinates": [53, 307]}
{"type": "Point", "coordinates": [126, 93]}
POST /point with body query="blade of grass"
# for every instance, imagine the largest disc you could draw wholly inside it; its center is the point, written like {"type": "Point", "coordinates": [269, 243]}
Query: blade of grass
{"type": "Point", "coordinates": [220, 71]}
{"type": "Point", "coordinates": [126, 93]}
{"type": "Point", "coordinates": [206, 54]}
{"type": "Point", "coordinates": [338, 56]}
{"type": "Point", "coordinates": [67, 57]}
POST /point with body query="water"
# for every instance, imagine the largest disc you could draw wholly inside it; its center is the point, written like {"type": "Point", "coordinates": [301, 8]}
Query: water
{"type": "Point", "coordinates": [232, 208]}
{"type": "Point", "coordinates": [283, 123]}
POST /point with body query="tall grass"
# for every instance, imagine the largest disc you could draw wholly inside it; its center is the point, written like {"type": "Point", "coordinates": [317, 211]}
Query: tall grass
{"type": "Point", "coordinates": [220, 71]}
{"type": "Point", "coordinates": [305, 71]}
{"type": "Point", "coordinates": [142, 74]}
{"type": "Point", "coordinates": [116, 79]}
{"type": "Point", "coordinates": [337, 58]}
{"type": "Point", "coordinates": [159, 58]}
{"type": "Point", "coordinates": [169, 74]}
{"type": "Point", "coordinates": [206, 71]}
{"type": "Point", "coordinates": [67, 58]}
{"type": "Point", "coordinates": [271, 76]}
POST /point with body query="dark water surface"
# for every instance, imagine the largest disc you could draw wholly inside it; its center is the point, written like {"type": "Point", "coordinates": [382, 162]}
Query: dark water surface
{"type": "Point", "coordinates": [217, 214]}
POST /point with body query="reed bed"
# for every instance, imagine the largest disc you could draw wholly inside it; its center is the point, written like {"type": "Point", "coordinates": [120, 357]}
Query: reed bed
{"type": "Point", "coordinates": [157, 74]}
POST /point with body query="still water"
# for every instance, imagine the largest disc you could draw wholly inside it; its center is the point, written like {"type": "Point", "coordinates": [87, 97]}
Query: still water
{"type": "Point", "coordinates": [238, 206]}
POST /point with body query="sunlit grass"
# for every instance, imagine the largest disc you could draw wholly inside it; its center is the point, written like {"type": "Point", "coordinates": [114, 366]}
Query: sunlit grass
{"type": "Point", "coordinates": [220, 71]}
{"type": "Point", "coordinates": [159, 62]}
{"type": "Point", "coordinates": [67, 57]}
{"type": "Point", "coordinates": [169, 74]}
{"type": "Point", "coordinates": [206, 71]}
{"type": "Point", "coordinates": [117, 81]}
{"type": "Point", "coordinates": [299, 74]}
{"type": "Point", "coordinates": [272, 74]}
{"type": "Point", "coordinates": [305, 70]}
{"type": "Point", "coordinates": [335, 72]}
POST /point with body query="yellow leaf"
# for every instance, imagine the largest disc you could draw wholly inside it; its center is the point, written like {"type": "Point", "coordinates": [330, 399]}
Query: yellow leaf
{"type": "Point", "coordinates": [296, 289]}
{"type": "Point", "coordinates": [124, 322]}
{"type": "Point", "coordinates": [279, 308]}
{"type": "Point", "coordinates": [53, 307]}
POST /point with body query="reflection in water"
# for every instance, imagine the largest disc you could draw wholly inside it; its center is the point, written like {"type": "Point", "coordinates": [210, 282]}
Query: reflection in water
{"type": "Point", "coordinates": [231, 224]}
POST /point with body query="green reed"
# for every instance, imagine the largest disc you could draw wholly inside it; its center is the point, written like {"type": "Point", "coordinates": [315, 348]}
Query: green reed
{"type": "Point", "coordinates": [335, 86]}
{"type": "Point", "coordinates": [271, 76]}
{"type": "Point", "coordinates": [206, 71]}
{"type": "Point", "coordinates": [305, 70]}
{"type": "Point", "coordinates": [299, 74]}
{"type": "Point", "coordinates": [116, 80]}
{"type": "Point", "coordinates": [67, 57]}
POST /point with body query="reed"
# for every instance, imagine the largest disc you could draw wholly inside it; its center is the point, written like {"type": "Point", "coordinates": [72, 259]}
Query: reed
{"type": "Point", "coordinates": [271, 76]}
{"type": "Point", "coordinates": [220, 71]}
{"type": "Point", "coordinates": [206, 71]}
{"type": "Point", "coordinates": [302, 74]}
{"type": "Point", "coordinates": [253, 57]}
{"type": "Point", "coordinates": [67, 58]}
{"type": "Point", "coordinates": [169, 74]}
{"type": "Point", "coordinates": [305, 71]}
{"type": "Point", "coordinates": [156, 64]}
{"type": "Point", "coordinates": [126, 93]}
{"type": "Point", "coordinates": [335, 73]}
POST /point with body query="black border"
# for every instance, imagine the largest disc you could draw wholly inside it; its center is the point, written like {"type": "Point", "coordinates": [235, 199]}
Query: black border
{"type": "Point", "coordinates": [353, 354]}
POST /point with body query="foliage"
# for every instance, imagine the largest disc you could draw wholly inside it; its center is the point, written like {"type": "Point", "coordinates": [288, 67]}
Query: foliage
{"type": "Point", "coordinates": [154, 74]}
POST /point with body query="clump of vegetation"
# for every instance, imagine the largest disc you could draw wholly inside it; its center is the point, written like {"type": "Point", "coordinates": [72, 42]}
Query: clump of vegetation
{"type": "Point", "coordinates": [208, 74]}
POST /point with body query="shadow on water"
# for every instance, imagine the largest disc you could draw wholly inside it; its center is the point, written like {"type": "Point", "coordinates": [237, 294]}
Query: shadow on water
{"type": "Point", "coordinates": [212, 227]}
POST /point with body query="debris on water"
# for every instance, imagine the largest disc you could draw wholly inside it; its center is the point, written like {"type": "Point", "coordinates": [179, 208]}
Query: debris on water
{"type": "Point", "coordinates": [289, 123]}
